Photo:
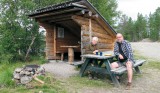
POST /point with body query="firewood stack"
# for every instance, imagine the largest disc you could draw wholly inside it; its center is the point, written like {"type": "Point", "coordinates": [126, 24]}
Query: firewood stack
{"type": "Point", "coordinates": [26, 74]}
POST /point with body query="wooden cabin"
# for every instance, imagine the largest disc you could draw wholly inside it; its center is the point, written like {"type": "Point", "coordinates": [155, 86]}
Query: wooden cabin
{"type": "Point", "coordinates": [73, 23]}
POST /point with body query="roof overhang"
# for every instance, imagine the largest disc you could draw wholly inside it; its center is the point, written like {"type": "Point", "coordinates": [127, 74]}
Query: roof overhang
{"type": "Point", "coordinates": [74, 6]}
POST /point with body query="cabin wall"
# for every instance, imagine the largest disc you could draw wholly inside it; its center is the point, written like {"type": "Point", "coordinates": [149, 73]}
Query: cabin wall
{"type": "Point", "coordinates": [91, 28]}
{"type": "Point", "coordinates": [50, 39]}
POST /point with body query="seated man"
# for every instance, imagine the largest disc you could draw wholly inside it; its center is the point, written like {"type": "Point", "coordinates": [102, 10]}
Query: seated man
{"type": "Point", "coordinates": [92, 49]}
{"type": "Point", "coordinates": [93, 46]}
{"type": "Point", "coordinates": [123, 50]}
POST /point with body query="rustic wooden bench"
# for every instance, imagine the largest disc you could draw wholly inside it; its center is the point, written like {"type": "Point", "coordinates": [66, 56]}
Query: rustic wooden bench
{"type": "Point", "coordinates": [122, 69]}
{"type": "Point", "coordinates": [78, 64]}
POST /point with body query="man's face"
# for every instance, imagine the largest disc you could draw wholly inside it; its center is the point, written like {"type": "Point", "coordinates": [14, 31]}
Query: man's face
{"type": "Point", "coordinates": [119, 38]}
{"type": "Point", "coordinates": [94, 42]}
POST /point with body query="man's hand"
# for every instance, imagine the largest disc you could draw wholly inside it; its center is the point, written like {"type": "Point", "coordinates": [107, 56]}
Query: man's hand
{"type": "Point", "coordinates": [94, 52]}
{"type": "Point", "coordinates": [121, 57]}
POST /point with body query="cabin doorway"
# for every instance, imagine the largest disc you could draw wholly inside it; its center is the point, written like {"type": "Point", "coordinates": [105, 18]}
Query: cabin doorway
{"type": "Point", "coordinates": [68, 35]}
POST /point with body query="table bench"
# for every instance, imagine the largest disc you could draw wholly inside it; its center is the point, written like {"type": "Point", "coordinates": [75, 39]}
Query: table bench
{"type": "Point", "coordinates": [122, 69]}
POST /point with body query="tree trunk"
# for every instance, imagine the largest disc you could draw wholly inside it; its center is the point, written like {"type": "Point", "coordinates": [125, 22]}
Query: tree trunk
{"type": "Point", "coordinates": [29, 48]}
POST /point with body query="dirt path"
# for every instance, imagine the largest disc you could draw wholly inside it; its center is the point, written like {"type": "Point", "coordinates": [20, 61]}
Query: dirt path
{"type": "Point", "coordinates": [60, 69]}
{"type": "Point", "coordinates": [147, 49]}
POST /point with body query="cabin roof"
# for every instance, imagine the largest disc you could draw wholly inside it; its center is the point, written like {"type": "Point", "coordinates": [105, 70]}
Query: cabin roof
{"type": "Point", "coordinates": [71, 4]}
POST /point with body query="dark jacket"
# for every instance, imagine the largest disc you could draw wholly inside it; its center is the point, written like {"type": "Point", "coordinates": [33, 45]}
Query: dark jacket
{"type": "Point", "coordinates": [126, 48]}
{"type": "Point", "coordinates": [91, 48]}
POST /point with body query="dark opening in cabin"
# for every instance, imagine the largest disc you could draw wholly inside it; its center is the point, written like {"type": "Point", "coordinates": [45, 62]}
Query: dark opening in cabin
{"type": "Point", "coordinates": [68, 35]}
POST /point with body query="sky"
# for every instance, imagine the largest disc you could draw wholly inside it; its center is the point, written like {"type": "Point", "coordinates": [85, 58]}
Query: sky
{"type": "Point", "coordinates": [132, 7]}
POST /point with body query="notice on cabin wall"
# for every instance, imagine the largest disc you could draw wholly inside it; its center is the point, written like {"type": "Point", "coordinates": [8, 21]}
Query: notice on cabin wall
{"type": "Point", "coordinates": [60, 32]}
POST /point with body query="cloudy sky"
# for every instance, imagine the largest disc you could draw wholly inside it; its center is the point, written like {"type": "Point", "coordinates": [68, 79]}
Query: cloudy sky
{"type": "Point", "coordinates": [132, 7]}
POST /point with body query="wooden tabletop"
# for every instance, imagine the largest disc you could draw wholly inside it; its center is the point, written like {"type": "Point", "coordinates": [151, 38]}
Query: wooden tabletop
{"type": "Point", "coordinates": [70, 46]}
{"type": "Point", "coordinates": [98, 56]}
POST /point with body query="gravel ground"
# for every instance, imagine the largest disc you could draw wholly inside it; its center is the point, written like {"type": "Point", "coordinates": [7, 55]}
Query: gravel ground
{"type": "Point", "coordinates": [147, 82]}
{"type": "Point", "coordinates": [147, 49]}
{"type": "Point", "coordinates": [60, 69]}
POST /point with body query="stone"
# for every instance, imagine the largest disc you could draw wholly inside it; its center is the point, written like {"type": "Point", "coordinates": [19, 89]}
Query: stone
{"type": "Point", "coordinates": [27, 73]}
{"type": "Point", "coordinates": [28, 69]}
{"type": "Point", "coordinates": [16, 76]}
{"type": "Point", "coordinates": [22, 73]}
{"type": "Point", "coordinates": [25, 79]}
{"type": "Point", "coordinates": [18, 70]}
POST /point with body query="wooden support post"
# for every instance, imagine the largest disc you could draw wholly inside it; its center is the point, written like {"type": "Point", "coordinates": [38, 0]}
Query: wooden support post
{"type": "Point", "coordinates": [62, 56]}
{"type": "Point", "coordinates": [70, 55]}
{"type": "Point", "coordinates": [90, 30]}
{"type": "Point", "coordinates": [54, 41]}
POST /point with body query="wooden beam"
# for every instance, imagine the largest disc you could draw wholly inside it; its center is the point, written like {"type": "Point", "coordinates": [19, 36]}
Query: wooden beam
{"type": "Point", "coordinates": [59, 20]}
{"type": "Point", "coordinates": [79, 5]}
{"type": "Point", "coordinates": [54, 40]}
{"type": "Point", "coordinates": [90, 30]}
{"type": "Point", "coordinates": [43, 19]}
{"type": "Point", "coordinates": [57, 13]}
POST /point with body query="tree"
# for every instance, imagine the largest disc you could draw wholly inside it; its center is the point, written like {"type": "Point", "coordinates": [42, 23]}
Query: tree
{"type": "Point", "coordinates": [140, 27]}
{"type": "Point", "coordinates": [16, 29]}
{"type": "Point", "coordinates": [108, 8]}
{"type": "Point", "coordinates": [126, 26]}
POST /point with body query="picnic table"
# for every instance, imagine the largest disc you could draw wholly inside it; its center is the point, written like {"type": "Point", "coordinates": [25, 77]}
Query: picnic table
{"type": "Point", "coordinates": [98, 60]}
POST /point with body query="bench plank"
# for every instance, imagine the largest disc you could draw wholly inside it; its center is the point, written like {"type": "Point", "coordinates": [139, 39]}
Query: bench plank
{"type": "Point", "coordinates": [122, 69]}
{"type": "Point", "coordinates": [78, 63]}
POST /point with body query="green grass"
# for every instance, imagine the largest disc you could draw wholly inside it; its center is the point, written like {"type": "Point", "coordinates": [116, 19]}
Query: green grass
{"type": "Point", "coordinates": [82, 82]}
{"type": "Point", "coordinates": [150, 63]}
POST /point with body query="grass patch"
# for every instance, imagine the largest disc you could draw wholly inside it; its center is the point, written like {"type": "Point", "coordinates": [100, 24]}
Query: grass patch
{"type": "Point", "coordinates": [151, 63]}
{"type": "Point", "coordinates": [80, 82]}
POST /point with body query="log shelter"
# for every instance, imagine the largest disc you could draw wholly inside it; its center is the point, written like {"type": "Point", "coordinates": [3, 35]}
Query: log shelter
{"type": "Point", "coordinates": [73, 23]}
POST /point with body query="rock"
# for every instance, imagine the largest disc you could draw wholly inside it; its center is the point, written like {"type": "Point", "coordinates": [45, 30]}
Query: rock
{"type": "Point", "coordinates": [28, 69]}
{"type": "Point", "coordinates": [25, 75]}
{"type": "Point", "coordinates": [41, 71]}
{"type": "Point", "coordinates": [16, 76]}
{"type": "Point", "coordinates": [18, 70]}
{"type": "Point", "coordinates": [25, 79]}
{"type": "Point", "coordinates": [22, 73]}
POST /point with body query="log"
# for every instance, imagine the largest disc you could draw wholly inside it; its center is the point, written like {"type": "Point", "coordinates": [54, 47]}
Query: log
{"type": "Point", "coordinates": [29, 48]}
{"type": "Point", "coordinates": [37, 79]}
{"type": "Point", "coordinates": [70, 55]}
{"type": "Point", "coordinates": [106, 28]}
{"type": "Point", "coordinates": [104, 36]}
{"type": "Point", "coordinates": [81, 20]}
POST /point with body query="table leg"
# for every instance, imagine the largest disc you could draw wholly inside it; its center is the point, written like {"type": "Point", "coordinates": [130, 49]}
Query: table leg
{"type": "Point", "coordinates": [84, 66]}
{"type": "Point", "coordinates": [113, 76]}
{"type": "Point", "coordinates": [137, 70]}
{"type": "Point", "coordinates": [70, 55]}
{"type": "Point", "coordinates": [101, 63]}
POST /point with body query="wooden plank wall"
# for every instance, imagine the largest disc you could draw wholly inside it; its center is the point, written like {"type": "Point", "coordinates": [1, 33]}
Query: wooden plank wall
{"type": "Point", "coordinates": [50, 51]}
{"type": "Point", "coordinates": [106, 41]}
